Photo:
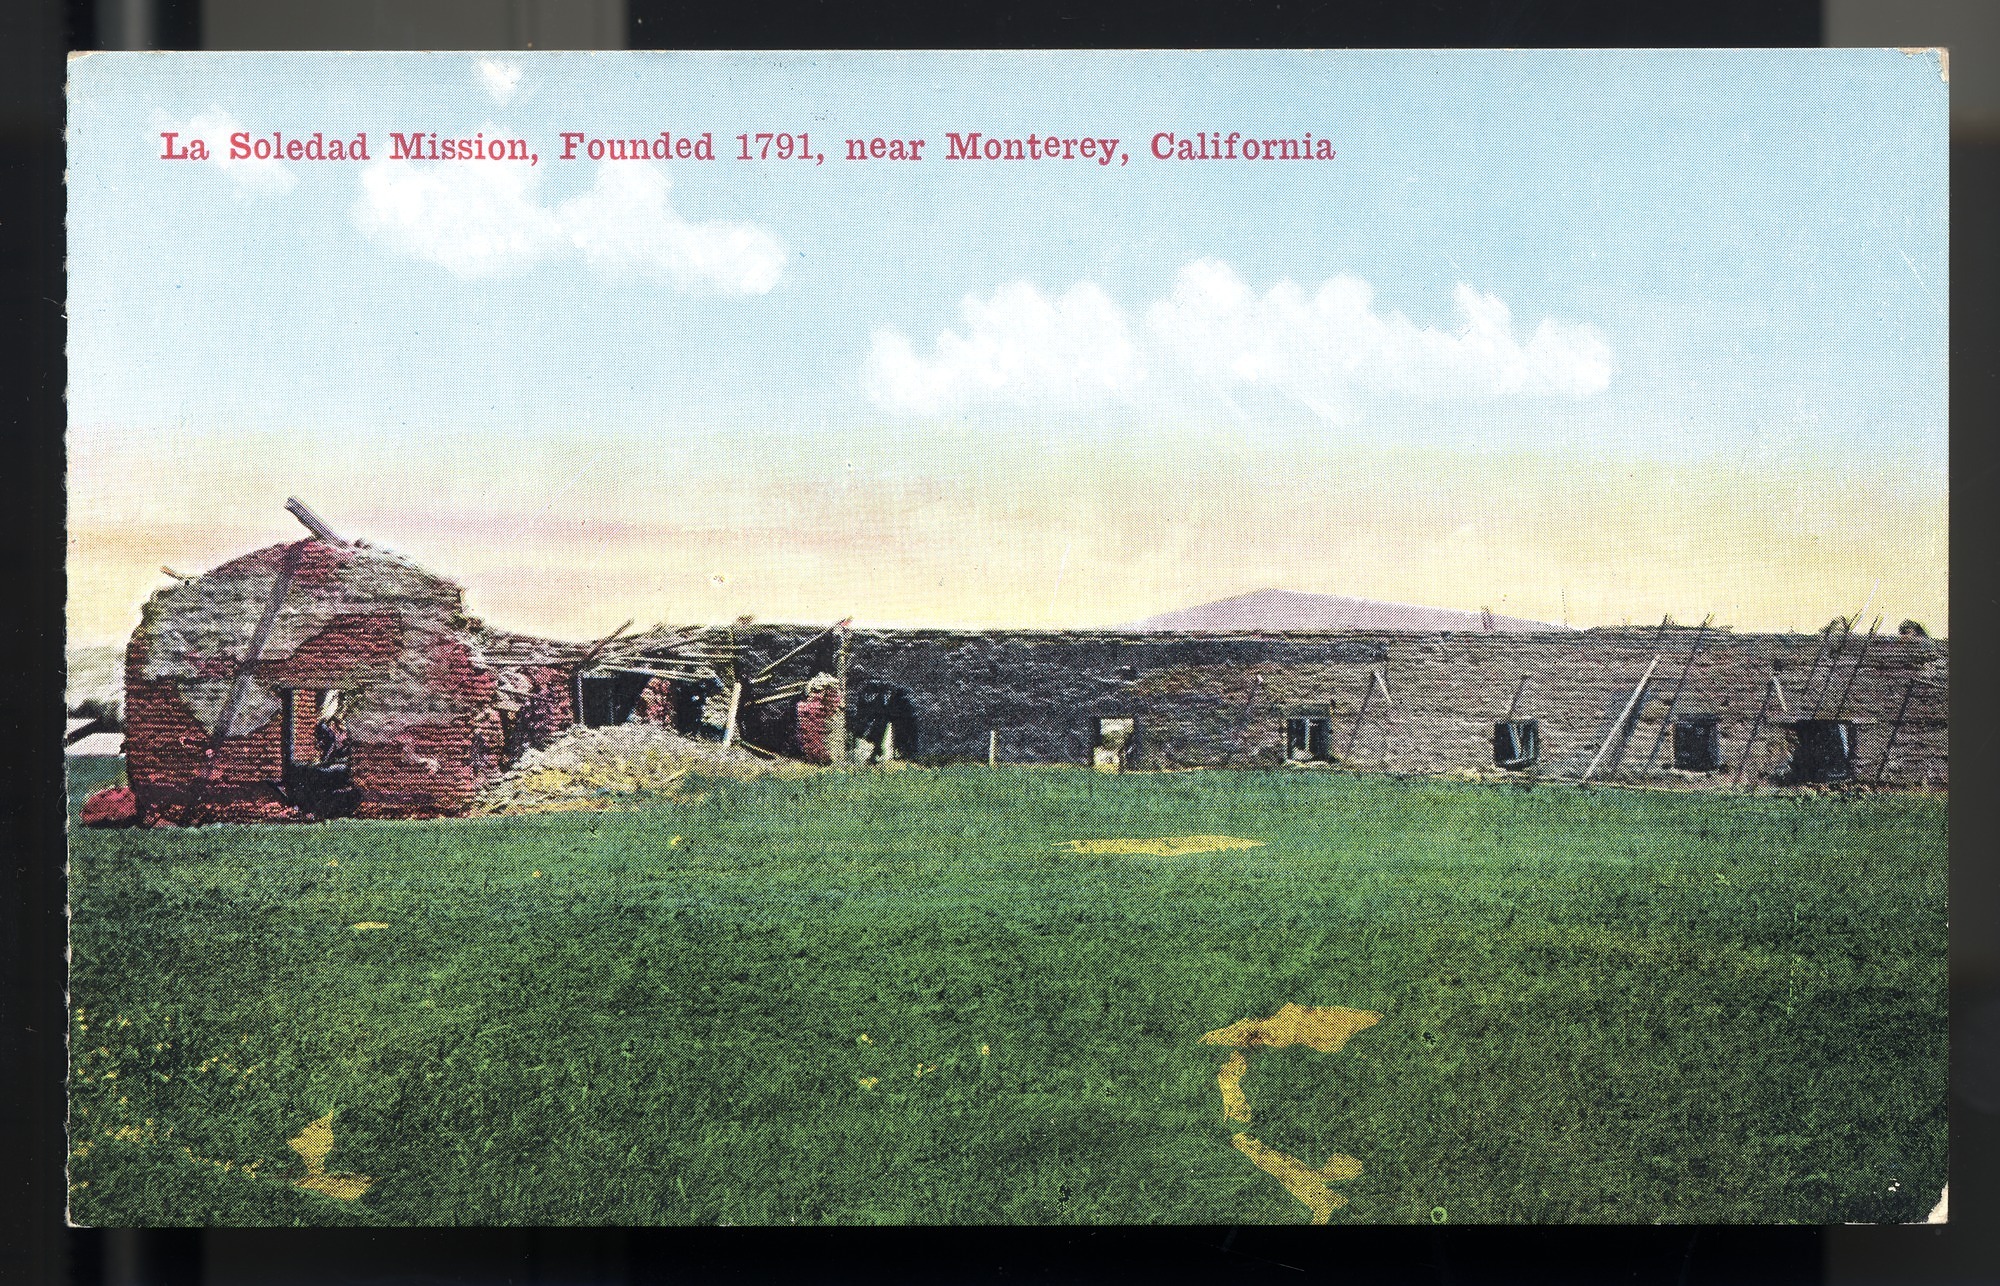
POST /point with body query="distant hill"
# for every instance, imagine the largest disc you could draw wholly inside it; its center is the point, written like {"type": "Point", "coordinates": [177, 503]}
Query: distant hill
{"type": "Point", "coordinates": [1283, 609]}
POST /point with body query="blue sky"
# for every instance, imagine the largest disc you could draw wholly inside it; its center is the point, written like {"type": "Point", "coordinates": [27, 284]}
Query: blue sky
{"type": "Point", "coordinates": [1719, 260]}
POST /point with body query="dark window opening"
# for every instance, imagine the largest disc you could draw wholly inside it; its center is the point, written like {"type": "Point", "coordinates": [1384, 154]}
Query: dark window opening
{"type": "Point", "coordinates": [1116, 737]}
{"type": "Point", "coordinates": [1517, 744]}
{"type": "Point", "coordinates": [1698, 743]}
{"type": "Point", "coordinates": [691, 708]}
{"type": "Point", "coordinates": [1309, 738]}
{"type": "Point", "coordinates": [513, 736]}
{"type": "Point", "coordinates": [885, 723]}
{"type": "Point", "coordinates": [610, 699]}
{"type": "Point", "coordinates": [1822, 750]}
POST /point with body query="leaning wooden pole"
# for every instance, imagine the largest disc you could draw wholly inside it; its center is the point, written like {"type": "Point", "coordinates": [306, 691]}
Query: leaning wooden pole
{"type": "Point", "coordinates": [1619, 725]}
{"type": "Point", "coordinates": [1624, 741]}
{"type": "Point", "coordinates": [1832, 667]}
{"type": "Point", "coordinates": [1388, 721]}
{"type": "Point", "coordinates": [1860, 659]}
{"type": "Point", "coordinates": [1756, 726]}
{"type": "Point", "coordinates": [729, 727]}
{"type": "Point", "coordinates": [1825, 637]}
{"type": "Point", "coordinates": [1515, 704]}
{"type": "Point", "coordinates": [1667, 719]}
{"type": "Point", "coordinates": [1882, 764]}
{"type": "Point", "coordinates": [1367, 695]}
{"type": "Point", "coordinates": [239, 688]}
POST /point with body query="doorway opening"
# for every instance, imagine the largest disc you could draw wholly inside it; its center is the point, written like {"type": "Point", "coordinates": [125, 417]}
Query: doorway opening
{"type": "Point", "coordinates": [885, 723]}
{"type": "Point", "coordinates": [316, 774]}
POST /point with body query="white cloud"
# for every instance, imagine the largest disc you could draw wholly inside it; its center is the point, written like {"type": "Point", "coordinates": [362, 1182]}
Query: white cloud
{"type": "Point", "coordinates": [501, 79]}
{"type": "Point", "coordinates": [624, 224]}
{"type": "Point", "coordinates": [1323, 347]}
{"type": "Point", "coordinates": [486, 219]}
{"type": "Point", "coordinates": [1019, 347]}
{"type": "Point", "coordinates": [473, 219]}
{"type": "Point", "coordinates": [250, 176]}
{"type": "Point", "coordinates": [1213, 333]}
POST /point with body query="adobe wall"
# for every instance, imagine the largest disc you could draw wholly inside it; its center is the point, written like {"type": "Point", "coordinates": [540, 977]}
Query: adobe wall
{"type": "Point", "coordinates": [1217, 700]}
{"type": "Point", "coordinates": [428, 714]}
{"type": "Point", "coordinates": [1195, 698]}
{"type": "Point", "coordinates": [1450, 689]}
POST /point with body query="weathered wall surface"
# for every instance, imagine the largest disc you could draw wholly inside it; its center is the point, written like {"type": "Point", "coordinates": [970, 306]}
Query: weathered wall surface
{"type": "Point", "coordinates": [544, 697]}
{"type": "Point", "coordinates": [1199, 700]}
{"type": "Point", "coordinates": [419, 707]}
{"type": "Point", "coordinates": [1223, 700]}
{"type": "Point", "coordinates": [435, 703]}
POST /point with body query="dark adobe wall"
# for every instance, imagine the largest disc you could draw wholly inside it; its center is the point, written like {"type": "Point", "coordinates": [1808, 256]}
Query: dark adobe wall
{"type": "Point", "coordinates": [1222, 700]}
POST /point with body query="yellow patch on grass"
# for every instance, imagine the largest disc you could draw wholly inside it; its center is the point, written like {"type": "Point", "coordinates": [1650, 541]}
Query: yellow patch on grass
{"type": "Point", "coordinates": [369, 924]}
{"type": "Point", "coordinates": [1165, 846]}
{"type": "Point", "coordinates": [313, 1143]}
{"type": "Point", "coordinates": [1321, 1027]}
{"type": "Point", "coordinates": [1235, 1107]}
{"type": "Point", "coordinates": [1301, 1180]}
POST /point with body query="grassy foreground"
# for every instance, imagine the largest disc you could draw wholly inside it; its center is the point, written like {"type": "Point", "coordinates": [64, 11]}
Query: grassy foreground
{"type": "Point", "coordinates": [890, 997]}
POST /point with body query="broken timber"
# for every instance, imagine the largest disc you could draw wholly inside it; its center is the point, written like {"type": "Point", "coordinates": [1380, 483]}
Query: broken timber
{"type": "Point", "coordinates": [1882, 764]}
{"type": "Point", "coordinates": [1667, 719]}
{"type": "Point", "coordinates": [788, 692]}
{"type": "Point", "coordinates": [1756, 727]}
{"type": "Point", "coordinates": [767, 671]}
{"type": "Point", "coordinates": [282, 586]}
{"type": "Point", "coordinates": [313, 522]}
{"type": "Point", "coordinates": [1619, 726]}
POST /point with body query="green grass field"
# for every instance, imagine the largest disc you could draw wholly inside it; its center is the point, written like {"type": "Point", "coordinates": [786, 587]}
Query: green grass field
{"type": "Point", "coordinates": [1596, 1005]}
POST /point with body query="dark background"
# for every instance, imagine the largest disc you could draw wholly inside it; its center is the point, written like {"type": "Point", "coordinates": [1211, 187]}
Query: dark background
{"type": "Point", "coordinates": [35, 1246]}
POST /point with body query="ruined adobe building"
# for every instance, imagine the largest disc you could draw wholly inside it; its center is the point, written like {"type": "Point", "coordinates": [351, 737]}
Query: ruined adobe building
{"type": "Point", "coordinates": [228, 672]}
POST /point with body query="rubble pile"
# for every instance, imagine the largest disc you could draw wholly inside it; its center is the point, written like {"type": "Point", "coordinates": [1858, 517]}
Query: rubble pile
{"type": "Point", "coordinates": [596, 767]}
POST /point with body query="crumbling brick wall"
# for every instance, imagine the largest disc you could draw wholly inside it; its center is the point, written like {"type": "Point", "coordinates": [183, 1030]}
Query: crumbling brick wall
{"type": "Point", "coordinates": [798, 726]}
{"type": "Point", "coordinates": [421, 708]}
{"type": "Point", "coordinates": [817, 718]}
{"type": "Point", "coordinates": [549, 707]}
{"type": "Point", "coordinates": [656, 703]}
{"type": "Point", "coordinates": [428, 713]}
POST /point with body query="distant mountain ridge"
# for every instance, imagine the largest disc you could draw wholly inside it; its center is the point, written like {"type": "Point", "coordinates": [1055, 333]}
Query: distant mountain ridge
{"type": "Point", "coordinates": [1284, 609]}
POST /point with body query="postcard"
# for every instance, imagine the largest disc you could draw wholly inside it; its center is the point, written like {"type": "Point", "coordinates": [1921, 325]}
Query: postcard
{"type": "Point", "coordinates": [1008, 638]}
